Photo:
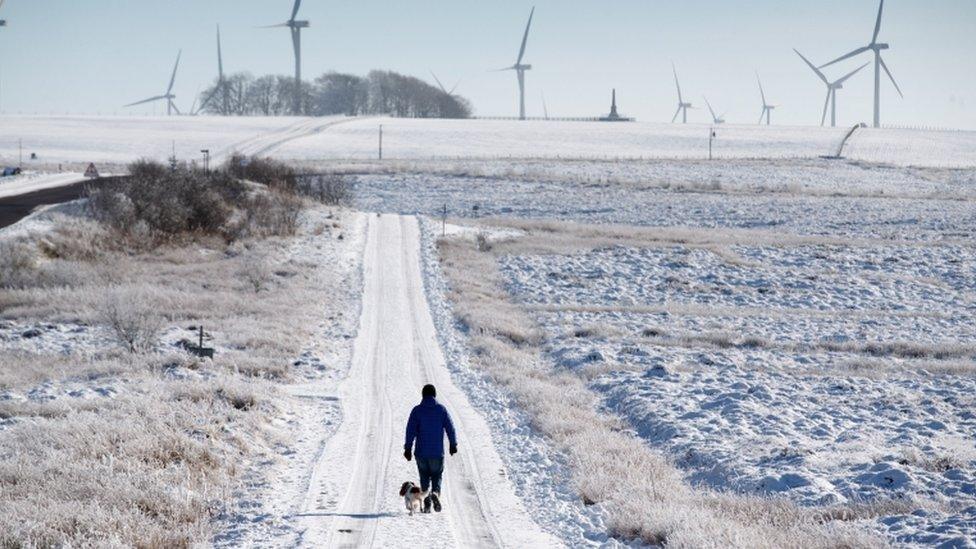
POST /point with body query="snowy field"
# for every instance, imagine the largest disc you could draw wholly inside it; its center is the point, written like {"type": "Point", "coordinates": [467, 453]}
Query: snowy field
{"type": "Point", "coordinates": [424, 139]}
{"type": "Point", "coordinates": [120, 139]}
{"type": "Point", "coordinates": [794, 328]}
{"type": "Point", "coordinates": [816, 372]}
{"type": "Point", "coordinates": [804, 198]}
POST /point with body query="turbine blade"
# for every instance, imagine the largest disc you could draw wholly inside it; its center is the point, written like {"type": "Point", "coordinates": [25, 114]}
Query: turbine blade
{"type": "Point", "coordinates": [676, 113]}
{"type": "Point", "coordinates": [294, 11]}
{"type": "Point", "coordinates": [525, 37]}
{"type": "Point", "coordinates": [220, 58]}
{"type": "Point", "coordinates": [150, 100]}
{"type": "Point", "coordinates": [761, 92]}
{"type": "Point", "coordinates": [172, 79]}
{"type": "Point", "coordinates": [858, 51]}
{"type": "Point", "coordinates": [175, 108]}
{"type": "Point", "coordinates": [823, 118]}
{"type": "Point", "coordinates": [877, 24]}
{"type": "Point", "coordinates": [438, 80]}
{"type": "Point", "coordinates": [812, 66]}
{"type": "Point", "coordinates": [892, 78]}
{"type": "Point", "coordinates": [206, 100]}
{"type": "Point", "coordinates": [458, 83]}
{"type": "Point", "coordinates": [285, 24]}
{"type": "Point", "coordinates": [762, 114]}
{"type": "Point", "coordinates": [850, 74]}
{"type": "Point", "coordinates": [512, 68]}
{"type": "Point", "coordinates": [709, 105]}
{"type": "Point", "coordinates": [676, 84]}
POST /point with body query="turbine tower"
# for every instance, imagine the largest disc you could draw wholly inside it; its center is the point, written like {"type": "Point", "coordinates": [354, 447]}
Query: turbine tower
{"type": "Point", "coordinates": [878, 65]}
{"type": "Point", "coordinates": [832, 88]}
{"type": "Point", "coordinates": [168, 96]}
{"type": "Point", "coordinates": [716, 119]}
{"type": "Point", "coordinates": [296, 39]}
{"type": "Point", "coordinates": [767, 109]}
{"type": "Point", "coordinates": [520, 69]}
{"type": "Point", "coordinates": [221, 86]}
{"type": "Point", "coordinates": [682, 106]}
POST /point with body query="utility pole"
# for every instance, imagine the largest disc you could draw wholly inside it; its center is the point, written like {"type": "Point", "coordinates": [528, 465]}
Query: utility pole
{"type": "Point", "coordinates": [381, 141]}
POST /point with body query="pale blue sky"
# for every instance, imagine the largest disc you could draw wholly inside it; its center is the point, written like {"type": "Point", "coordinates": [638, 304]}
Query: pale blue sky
{"type": "Point", "coordinates": [96, 55]}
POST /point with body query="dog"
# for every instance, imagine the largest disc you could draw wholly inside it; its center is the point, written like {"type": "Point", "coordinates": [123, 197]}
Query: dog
{"type": "Point", "coordinates": [413, 497]}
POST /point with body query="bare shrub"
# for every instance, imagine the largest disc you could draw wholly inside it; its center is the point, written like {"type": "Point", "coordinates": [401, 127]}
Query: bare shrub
{"type": "Point", "coordinates": [482, 242]}
{"type": "Point", "coordinates": [78, 240]}
{"type": "Point", "coordinates": [273, 213]}
{"type": "Point", "coordinates": [159, 203]}
{"type": "Point", "coordinates": [129, 312]}
{"type": "Point", "coordinates": [333, 189]}
{"type": "Point", "coordinates": [18, 263]}
{"type": "Point", "coordinates": [256, 272]}
{"type": "Point", "coordinates": [270, 172]}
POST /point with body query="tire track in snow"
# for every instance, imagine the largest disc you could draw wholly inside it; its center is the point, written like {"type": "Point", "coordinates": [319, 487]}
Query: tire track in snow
{"type": "Point", "coordinates": [352, 498]}
{"type": "Point", "coordinates": [266, 143]}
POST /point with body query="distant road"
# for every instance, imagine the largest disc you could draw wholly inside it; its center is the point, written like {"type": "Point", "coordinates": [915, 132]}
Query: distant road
{"type": "Point", "coordinates": [16, 207]}
{"type": "Point", "coordinates": [23, 184]}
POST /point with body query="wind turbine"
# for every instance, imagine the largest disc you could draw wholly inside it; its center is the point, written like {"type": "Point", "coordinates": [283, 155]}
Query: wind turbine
{"type": "Point", "coordinates": [520, 69]}
{"type": "Point", "coordinates": [715, 119]}
{"type": "Point", "coordinates": [221, 86]}
{"type": "Point", "coordinates": [767, 109]}
{"type": "Point", "coordinates": [296, 39]}
{"type": "Point", "coordinates": [832, 88]}
{"type": "Point", "coordinates": [441, 86]}
{"type": "Point", "coordinates": [682, 106]}
{"type": "Point", "coordinates": [878, 65]}
{"type": "Point", "coordinates": [168, 96]}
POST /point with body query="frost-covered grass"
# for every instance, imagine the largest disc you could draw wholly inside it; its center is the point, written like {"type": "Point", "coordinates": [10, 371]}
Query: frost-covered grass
{"type": "Point", "coordinates": [103, 446]}
{"type": "Point", "coordinates": [642, 493]}
{"type": "Point", "coordinates": [821, 199]}
{"type": "Point", "coordinates": [837, 375]}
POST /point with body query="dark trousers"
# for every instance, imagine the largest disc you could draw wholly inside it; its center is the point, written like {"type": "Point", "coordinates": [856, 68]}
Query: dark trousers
{"type": "Point", "coordinates": [430, 470]}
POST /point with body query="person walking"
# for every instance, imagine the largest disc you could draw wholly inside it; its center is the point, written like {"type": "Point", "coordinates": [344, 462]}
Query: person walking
{"type": "Point", "coordinates": [428, 423]}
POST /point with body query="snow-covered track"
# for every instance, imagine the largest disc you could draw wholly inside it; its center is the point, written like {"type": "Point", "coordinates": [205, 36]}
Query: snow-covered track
{"type": "Point", "coordinates": [267, 143]}
{"type": "Point", "coordinates": [352, 498]}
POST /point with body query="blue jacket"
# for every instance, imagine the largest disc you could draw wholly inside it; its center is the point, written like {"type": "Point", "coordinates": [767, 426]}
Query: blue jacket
{"type": "Point", "coordinates": [428, 422]}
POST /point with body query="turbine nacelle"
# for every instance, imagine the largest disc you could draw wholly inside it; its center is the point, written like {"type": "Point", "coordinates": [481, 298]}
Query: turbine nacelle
{"type": "Point", "coordinates": [298, 24]}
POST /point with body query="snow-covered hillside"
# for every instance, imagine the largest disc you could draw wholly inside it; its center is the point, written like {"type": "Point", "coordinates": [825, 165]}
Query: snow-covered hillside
{"type": "Point", "coordinates": [118, 139]}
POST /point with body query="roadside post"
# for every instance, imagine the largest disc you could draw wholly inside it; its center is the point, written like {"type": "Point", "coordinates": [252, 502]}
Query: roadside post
{"type": "Point", "coordinates": [381, 141]}
{"type": "Point", "coordinates": [206, 160]}
{"type": "Point", "coordinates": [711, 137]}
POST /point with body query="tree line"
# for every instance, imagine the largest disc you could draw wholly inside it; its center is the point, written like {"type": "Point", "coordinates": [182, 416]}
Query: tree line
{"type": "Point", "coordinates": [378, 93]}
